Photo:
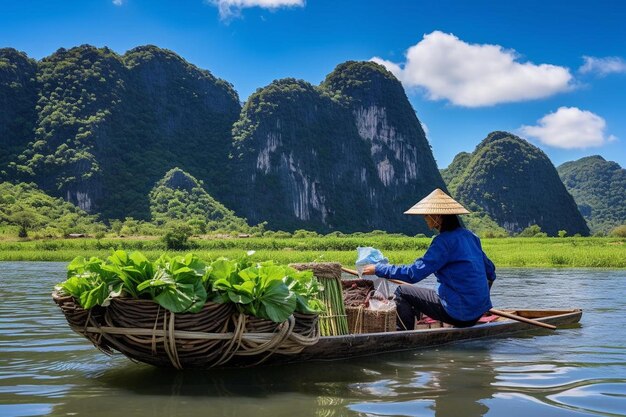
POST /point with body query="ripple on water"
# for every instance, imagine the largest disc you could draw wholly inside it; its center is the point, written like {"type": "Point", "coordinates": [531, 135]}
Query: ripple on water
{"type": "Point", "coordinates": [380, 388]}
{"type": "Point", "coordinates": [414, 408]}
{"type": "Point", "coordinates": [533, 375]}
{"type": "Point", "coordinates": [522, 405]}
{"type": "Point", "coordinates": [555, 376]}
{"type": "Point", "coordinates": [602, 398]}
{"type": "Point", "coordinates": [38, 390]}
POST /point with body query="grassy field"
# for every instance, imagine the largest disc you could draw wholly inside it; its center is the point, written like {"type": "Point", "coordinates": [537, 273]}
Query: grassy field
{"type": "Point", "coordinates": [569, 252]}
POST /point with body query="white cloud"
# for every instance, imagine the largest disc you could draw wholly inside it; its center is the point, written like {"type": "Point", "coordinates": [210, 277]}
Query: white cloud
{"type": "Point", "coordinates": [474, 75]}
{"type": "Point", "coordinates": [232, 8]}
{"type": "Point", "coordinates": [118, 2]}
{"type": "Point", "coordinates": [603, 66]}
{"type": "Point", "coordinates": [569, 128]}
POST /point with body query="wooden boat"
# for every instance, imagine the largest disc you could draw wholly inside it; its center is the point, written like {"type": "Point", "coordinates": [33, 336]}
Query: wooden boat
{"type": "Point", "coordinates": [323, 348]}
{"type": "Point", "coordinates": [355, 345]}
{"type": "Point", "coordinates": [143, 332]}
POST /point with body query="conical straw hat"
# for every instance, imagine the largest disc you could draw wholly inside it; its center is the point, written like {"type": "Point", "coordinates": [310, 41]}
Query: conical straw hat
{"type": "Point", "coordinates": [437, 202]}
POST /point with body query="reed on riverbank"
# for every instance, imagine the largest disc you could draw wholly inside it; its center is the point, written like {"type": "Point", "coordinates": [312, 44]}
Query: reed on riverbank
{"type": "Point", "coordinates": [568, 252]}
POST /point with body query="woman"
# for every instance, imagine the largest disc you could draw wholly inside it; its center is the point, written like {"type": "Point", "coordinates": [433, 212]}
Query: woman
{"type": "Point", "coordinates": [464, 273]}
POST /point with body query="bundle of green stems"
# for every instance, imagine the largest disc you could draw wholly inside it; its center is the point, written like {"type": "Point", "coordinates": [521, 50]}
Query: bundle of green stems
{"type": "Point", "coordinates": [334, 321]}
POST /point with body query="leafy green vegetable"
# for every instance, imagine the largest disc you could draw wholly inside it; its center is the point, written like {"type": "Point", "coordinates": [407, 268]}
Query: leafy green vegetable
{"type": "Point", "coordinates": [184, 289]}
{"type": "Point", "coordinates": [184, 283]}
{"type": "Point", "coordinates": [271, 298]}
{"type": "Point", "coordinates": [90, 282]}
{"type": "Point", "coordinates": [265, 290]}
{"type": "Point", "coordinates": [306, 287]}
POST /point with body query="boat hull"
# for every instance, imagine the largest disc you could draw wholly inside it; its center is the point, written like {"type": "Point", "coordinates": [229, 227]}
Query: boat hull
{"type": "Point", "coordinates": [355, 345]}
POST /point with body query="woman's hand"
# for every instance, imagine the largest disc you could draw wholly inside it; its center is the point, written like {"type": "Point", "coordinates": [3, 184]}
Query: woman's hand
{"type": "Point", "coordinates": [369, 270]}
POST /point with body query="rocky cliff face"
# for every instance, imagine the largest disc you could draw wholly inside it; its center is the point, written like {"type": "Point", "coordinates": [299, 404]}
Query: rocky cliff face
{"type": "Point", "coordinates": [18, 98]}
{"type": "Point", "coordinates": [99, 129]}
{"type": "Point", "coordinates": [347, 155]}
{"type": "Point", "coordinates": [515, 184]}
{"type": "Point", "coordinates": [599, 189]}
{"type": "Point", "coordinates": [80, 93]}
{"type": "Point", "coordinates": [108, 126]}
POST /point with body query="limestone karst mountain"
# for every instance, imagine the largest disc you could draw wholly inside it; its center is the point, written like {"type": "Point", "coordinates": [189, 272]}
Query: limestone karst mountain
{"type": "Point", "coordinates": [347, 155]}
{"type": "Point", "coordinates": [515, 184]}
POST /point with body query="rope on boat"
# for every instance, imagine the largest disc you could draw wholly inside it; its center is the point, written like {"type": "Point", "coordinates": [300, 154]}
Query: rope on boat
{"type": "Point", "coordinates": [240, 342]}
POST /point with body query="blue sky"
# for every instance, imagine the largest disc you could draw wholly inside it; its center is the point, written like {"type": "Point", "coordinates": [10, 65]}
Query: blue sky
{"type": "Point", "coordinates": [553, 72]}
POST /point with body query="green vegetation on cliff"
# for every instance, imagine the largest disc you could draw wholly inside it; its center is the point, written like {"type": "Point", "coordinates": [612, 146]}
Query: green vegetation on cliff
{"type": "Point", "coordinates": [453, 174]}
{"type": "Point", "coordinates": [104, 127]}
{"type": "Point", "coordinates": [599, 188]}
{"type": "Point", "coordinates": [99, 129]}
{"type": "Point", "coordinates": [17, 104]}
{"type": "Point", "coordinates": [287, 169]}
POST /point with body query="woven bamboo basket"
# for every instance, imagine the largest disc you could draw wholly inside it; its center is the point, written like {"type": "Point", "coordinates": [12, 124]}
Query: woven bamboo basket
{"type": "Point", "coordinates": [288, 337]}
{"type": "Point", "coordinates": [149, 334]}
{"type": "Point", "coordinates": [80, 319]}
{"type": "Point", "coordinates": [361, 319]}
{"type": "Point", "coordinates": [145, 332]}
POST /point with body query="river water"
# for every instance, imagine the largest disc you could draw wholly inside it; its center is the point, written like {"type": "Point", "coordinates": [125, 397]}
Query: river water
{"type": "Point", "coordinates": [47, 370]}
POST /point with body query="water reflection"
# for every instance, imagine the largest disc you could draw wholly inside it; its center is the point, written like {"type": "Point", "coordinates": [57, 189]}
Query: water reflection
{"type": "Point", "coordinates": [438, 383]}
{"type": "Point", "coordinates": [275, 391]}
{"type": "Point", "coordinates": [430, 383]}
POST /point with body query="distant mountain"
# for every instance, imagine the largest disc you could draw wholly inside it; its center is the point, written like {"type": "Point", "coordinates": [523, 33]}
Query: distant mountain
{"type": "Point", "coordinates": [599, 188]}
{"type": "Point", "coordinates": [347, 155]}
{"type": "Point", "coordinates": [99, 129]}
{"type": "Point", "coordinates": [516, 185]}
{"type": "Point", "coordinates": [179, 196]}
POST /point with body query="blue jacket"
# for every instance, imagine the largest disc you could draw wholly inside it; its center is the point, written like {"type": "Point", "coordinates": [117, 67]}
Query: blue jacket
{"type": "Point", "coordinates": [462, 270]}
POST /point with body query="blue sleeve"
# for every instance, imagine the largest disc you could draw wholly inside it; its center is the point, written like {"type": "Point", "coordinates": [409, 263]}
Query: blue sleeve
{"type": "Point", "coordinates": [435, 257]}
{"type": "Point", "coordinates": [490, 268]}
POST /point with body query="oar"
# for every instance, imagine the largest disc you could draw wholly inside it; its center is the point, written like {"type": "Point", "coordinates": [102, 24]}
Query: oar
{"type": "Point", "coordinates": [492, 310]}
{"type": "Point", "coordinates": [522, 319]}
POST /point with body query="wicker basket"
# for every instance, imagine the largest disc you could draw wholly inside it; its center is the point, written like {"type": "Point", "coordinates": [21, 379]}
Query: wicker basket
{"type": "Point", "coordinates": [217, 335]}
{"type": "Point", "coordinates": [80, 319]}
{"type": "Point", "coordinates": [360, 318]}
{"type": "Point", "coordinates": [363, 320]}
